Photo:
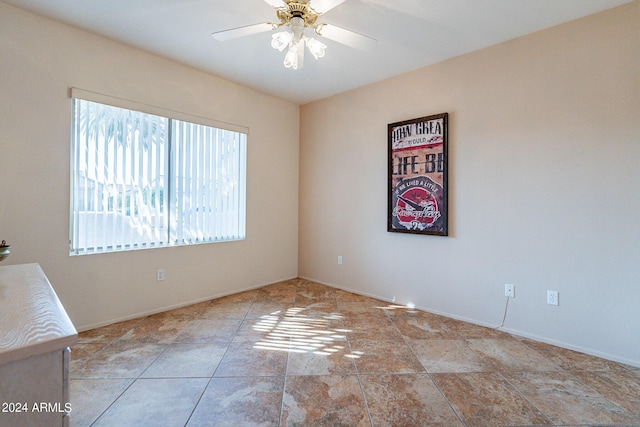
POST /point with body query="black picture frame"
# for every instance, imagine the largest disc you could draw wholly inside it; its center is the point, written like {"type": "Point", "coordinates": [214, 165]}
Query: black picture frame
{"type": "Point", "coordinates": [417, 176]}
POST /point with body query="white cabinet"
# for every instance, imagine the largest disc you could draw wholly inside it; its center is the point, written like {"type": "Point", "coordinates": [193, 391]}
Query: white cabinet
{"type": "Point", "coordinates": [35, 336]}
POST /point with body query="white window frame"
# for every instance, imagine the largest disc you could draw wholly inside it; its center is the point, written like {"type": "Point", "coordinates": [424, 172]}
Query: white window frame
{"type": "Point", "coordinates": [194, 170]}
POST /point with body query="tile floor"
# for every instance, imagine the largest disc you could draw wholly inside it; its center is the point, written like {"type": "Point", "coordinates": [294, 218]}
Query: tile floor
{"type": "Point", "coordinates": [298, 353]}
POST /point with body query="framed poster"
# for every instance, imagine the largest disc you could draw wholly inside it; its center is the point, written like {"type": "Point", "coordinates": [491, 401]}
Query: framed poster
{"type": "Point", "coordinates": [417, 186]}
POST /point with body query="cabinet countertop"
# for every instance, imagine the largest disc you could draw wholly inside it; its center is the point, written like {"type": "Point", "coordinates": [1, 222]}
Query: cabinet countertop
{"type": "Point", "coordinates": [32, 319]}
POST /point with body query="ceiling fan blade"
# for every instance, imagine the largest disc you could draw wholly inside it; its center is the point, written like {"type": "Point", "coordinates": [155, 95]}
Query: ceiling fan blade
{"type": "Point", "coordinates": [346, 37]}
{"type": "Point", "coordinates": [322, 6]}
{"type": "Point", "coordinates": [242, 31]}
{"type": "Point", "coordinates": [276, 3]}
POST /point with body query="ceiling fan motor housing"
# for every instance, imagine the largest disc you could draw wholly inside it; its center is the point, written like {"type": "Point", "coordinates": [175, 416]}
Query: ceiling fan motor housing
{"type": "Point", "coordinates": [297, 9]}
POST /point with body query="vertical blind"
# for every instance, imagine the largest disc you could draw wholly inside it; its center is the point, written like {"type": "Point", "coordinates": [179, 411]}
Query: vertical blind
{"type": "Point", "coordinates": [206, 201]}
{"type": "Point", "coordinates": [141, 180]}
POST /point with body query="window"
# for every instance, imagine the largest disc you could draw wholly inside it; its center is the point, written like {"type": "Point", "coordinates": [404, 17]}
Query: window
{"type": "Point", "coordinates": [142, 180]}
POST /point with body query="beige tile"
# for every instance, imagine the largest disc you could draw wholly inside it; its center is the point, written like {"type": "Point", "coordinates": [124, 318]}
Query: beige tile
{"type": "Point", "coordinates": [119, 360]}
{"type": "Point", "coordinates": [469, 330]}
{"type": "Point", "coordinates": [407, 401]}
{"type": "Point", "coordinates": [307, 285]}
{"type": "Point", "coordinates": [627, 367]}
{"type": "Point", "coordinates": [283, 294]}
{"type": "Point", "coordinates": [246, 296]}
{"type": "Point", "coordinates": [209, 331]}
{"type": "Point", "coordinates": [394, 310]}
{"type": "Point", "coordinates": [321, 359]}
{"type": "Point", "coordinates": [316, 309]}
{"type": "Point", "coordinates": [372, 307]}
{"type": "Point", "coordinates": [234, 402]}
{"type": "Point", "coordinates": [161, 330]}
{"type": "Point", "coordinates": [186, 313]}
{"type": "Point", "coordinates": [572, 360]}
{"type": "Point", "coordinates": [312, 295]}
{"type": "Point", "coordinates": [343, 297]}
{"type": "Point", "coordinates": [291, 325]}
{"type": "Point", "coordinates": [155, 402]}
{"type": "Point", "coordinates": [267, 308]}
{"type": "Point", "coordinates": [371, 327]}
{"type": "Point", "coordinates": [89, 398]}
{"type": "Point", "coordinates": [567, 400]}
{"type": "Point", "coordinates": [298, 281]}
{"type": "Point", "coordinates": [286, 284]}
{"type": "Point", "coordinates": [384, 357]}
{"type": "Point", "coordinates": [620, 387]}
{"type": "Point", "coordinates": [512, 355]}
{"type": "Point", "coordinates": [83, 351]}
{"type": "Point", "coordinates": [442, 356]}
{"type": "Point", "coordinates": [253, 359]}
{"type": "Point", "coordinates": [229, 310]}
{"type": "Point", "coordinates": [488, 400]}
{"type": "Point", "coordinates": [324, 401]}
{"type": "Point", "coordinates": [259, 329]}
{"type": "Point", "coordinates": [107, 334]}
{"type": "Point", "coordinates": [313, 330]}
{"type": "Point", "coordinates": [423, 326]}
{"type": "Point", "coordinates": [80, 353]}
{"type": "Point", "coordinates": [186, 360]}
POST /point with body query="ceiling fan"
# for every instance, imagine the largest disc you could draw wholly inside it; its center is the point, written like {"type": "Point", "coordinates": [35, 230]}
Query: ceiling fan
{"type": "Point", "coordinates": [297, 16]}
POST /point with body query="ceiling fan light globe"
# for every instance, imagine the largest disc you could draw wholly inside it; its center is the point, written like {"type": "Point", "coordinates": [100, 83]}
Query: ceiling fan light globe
{"type": "Point", "coordinates": [291, 59]}
{"type": "Point", "coordinates": [281, 40]}
{"type": "Point", "coordinates": [316, 47]}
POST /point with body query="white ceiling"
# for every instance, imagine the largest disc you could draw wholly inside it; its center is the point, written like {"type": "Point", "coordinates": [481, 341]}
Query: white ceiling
{"type": "Point", "coordinates": [410, 33]}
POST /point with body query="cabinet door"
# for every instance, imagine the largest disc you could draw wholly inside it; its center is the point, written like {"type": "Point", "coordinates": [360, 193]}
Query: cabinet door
{"type": "Point", "coordinates": [32, 391]}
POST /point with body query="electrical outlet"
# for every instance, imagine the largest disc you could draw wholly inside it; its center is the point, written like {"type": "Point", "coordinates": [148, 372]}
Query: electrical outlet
{"type": "Point", "coordinates": [339, 259]}
{"type": "Point", "coordinates": [159, 275]}
{"type": "Point", "coordinates": [552, 297]}
{"type": "Point", "coordinates": [510, 290]}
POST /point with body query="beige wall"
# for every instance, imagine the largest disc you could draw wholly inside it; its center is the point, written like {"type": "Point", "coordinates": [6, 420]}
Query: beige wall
{"type": "Point", "coordinates": [39, 61]}
{"type": "Point", "coordinates": [544, 186]}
